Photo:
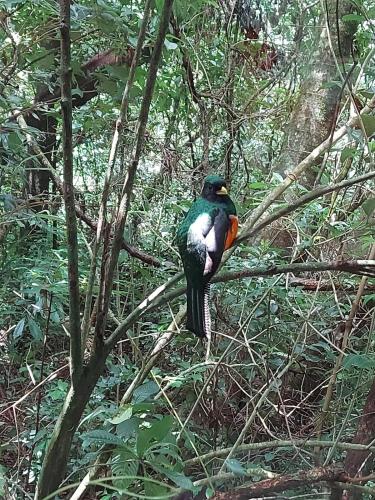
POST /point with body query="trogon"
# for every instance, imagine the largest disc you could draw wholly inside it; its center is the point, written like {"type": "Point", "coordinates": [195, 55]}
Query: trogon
{"type": "Point", "coordinates": [209, 228]}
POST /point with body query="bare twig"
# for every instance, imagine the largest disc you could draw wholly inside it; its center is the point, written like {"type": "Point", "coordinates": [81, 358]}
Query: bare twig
{"type": "Point", "coordinates": [359, 267]}
{"type": "Point", "coordinates": [51, 376]}
{"type": "Point", "coordinates": [297, 443]}
{"type": "Point", "coordinates": [304, 200]}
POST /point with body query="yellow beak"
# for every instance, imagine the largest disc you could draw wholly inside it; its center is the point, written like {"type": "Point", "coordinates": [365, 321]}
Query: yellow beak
{"type": "Point", "coordinates": [222, 190]}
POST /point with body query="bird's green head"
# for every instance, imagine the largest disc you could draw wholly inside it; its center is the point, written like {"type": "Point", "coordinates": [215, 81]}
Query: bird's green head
{"type": "Point", "coordinates": [214, 188]}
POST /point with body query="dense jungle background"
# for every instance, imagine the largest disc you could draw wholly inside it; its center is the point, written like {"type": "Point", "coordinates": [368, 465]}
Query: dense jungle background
{"type": "Point", "coordinates": [111, 114]}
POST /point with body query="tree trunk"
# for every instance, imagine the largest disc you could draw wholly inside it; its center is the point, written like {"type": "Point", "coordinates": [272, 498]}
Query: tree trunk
{"type": "Point", "coordinates": [56, 458]}
{"type": "Point", "coordinates": [360, 463]}
{"type": "Point", "coordinates": [315, 112]}
{"type": "Point", "coordinates": [37, 180]}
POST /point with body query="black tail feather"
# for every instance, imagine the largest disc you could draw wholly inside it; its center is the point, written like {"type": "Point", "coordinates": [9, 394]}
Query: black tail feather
{"type": "Point", "coordinates": [198, 313]}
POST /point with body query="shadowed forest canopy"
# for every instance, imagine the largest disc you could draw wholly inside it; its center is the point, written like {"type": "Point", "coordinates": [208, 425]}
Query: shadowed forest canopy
{"type": "Point", "coordinates": [112, 112]}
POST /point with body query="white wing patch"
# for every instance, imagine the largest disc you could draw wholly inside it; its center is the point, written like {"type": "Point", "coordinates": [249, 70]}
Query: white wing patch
{"type": "Point", "coordinates": [198, 230]}
{"type": "Point", "coordinates": [201, 234]}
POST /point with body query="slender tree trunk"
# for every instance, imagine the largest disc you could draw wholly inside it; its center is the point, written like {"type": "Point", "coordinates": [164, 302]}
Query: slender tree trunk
{"type": "Point", "coordinates": [57, 454]}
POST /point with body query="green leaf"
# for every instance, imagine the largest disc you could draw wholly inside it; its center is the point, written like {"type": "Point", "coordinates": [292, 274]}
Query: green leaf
{"type": "Point", "coordinates": [91, 415]}
{"type": "Point", "coordinates": [153, 490]}
{"type": "Point", "coordinates": [125, 414]}
{"type": "Point", "coordinates": [258, 185]}
{"type": "Point", "coordinates": [235, 466]}
{"type": "Point", "coordinates": [35, 330]}
{"type": "Point", "coordinates": [128, 428]}
{"type": "Point", "coordinates": [331, 84]}
{"type": "Point", "coordinates": [77, 91]}
{"type": "Point", "coordinates": [108, 86]}
{"type": "Point", "coordinates": [269, 456]}
{"type": "Point", "coordinates": [9, 201]}
{"type": "Point", "coordinates": [369, 298]}
{"type": "Point", "coordinates": [120, 72]}
{"type": "Point", "coordinates": [369, 206]}
{"type": "Point", "coordinates": [177, 477]}
{"type": "Point", "coordinates": [159, 5]}
{"type": "Point", "coordinates": [101, 437]}
{"type": "Point", "coordinates": [347, 153]}
{"type": "Point", "coordinates": [209, 492]}
{"type": "Point", "coordinates": [170, 45]}
{"type": "Point", "coordinates": [2, 480]}
{"type": "Point", "coordinates": [145, 391]}
{"type": "Point", "coordinates": [156, 432]}
{"type": "Point", "coordinates": [14, 140]}
{"type": "Point", "coordinates": [274, 307]}
{"type": "Point", "coordinates": [19, 329]}
{"type": "Point", "coordinates": [180, 480]}
{"type": "Point", "coordinates": [352, 17]}
{"type": "Point", "coordinates": [364, 361]}
{"type": "Point", "coordinates": [366, 94]}
{"type": "Point", "coordinates": [124, 464]}
{"type": "Point", "coordinates": [369, 124]}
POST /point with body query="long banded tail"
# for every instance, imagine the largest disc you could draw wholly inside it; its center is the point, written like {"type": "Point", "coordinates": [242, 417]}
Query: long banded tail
{"type": "Point", "coordinates": [198, 311]}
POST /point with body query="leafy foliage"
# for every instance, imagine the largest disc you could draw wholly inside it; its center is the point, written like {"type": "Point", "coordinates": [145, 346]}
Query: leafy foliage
{"type": "Point", "coordinates": [235, 123]}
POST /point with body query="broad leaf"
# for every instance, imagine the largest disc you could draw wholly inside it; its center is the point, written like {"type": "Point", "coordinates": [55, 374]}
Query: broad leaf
{"type": "Point", "coordinates": [235, 466]}
{"type": "Point", "coordinates": [156, 432]}
{"type": "Point", "coordinates": [100, 437]}
{"type": "Point", "coordinates": [35, 330]}
{"type": "Point", "coordinates": [19, 329]}
{"type": "Point", "coordinates": [364, 361]}
{"type": "Point", "coordinates": [124, 414]}
{"type": "Point", "coordinates": [145, 391]}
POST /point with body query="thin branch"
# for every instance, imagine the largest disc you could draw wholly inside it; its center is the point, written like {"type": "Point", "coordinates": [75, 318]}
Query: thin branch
{"type": "Point", "coordinates": [102, 233]}
{"type": "Point", "coordinates": [161, 296]}
{"type": "Point", "coordinates": [358, 267]}
{"type": "Point", "coordinates": [51, 376]}
{"type": "Point", "coordinates": [107, 277]}
{"type": "Point", "coordinates": [312, 285]}
{"type": "Point", "coordinates": [155, 299]}
{"type": "Point", "coordinates": [155, 354]}
{"type": "Point", "coordinates": [267, 388]}
{"type": "Point", "coordinates": [297, 443]}
{"type": "Point", "coordinates": [304, 200]}
{"type": "Point", "coordinates": [185, 61]}
{"type": "Point", "coordinates": [71, 221]}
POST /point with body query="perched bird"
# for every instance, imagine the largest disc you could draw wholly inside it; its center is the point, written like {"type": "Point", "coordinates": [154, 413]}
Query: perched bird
{"type": "Point", "coordinates": [209, 228]}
